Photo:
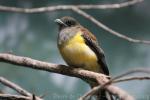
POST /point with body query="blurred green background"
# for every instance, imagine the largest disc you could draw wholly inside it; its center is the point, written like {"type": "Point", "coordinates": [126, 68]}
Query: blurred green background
{"type": "Point", "coordinates": [35, 35]}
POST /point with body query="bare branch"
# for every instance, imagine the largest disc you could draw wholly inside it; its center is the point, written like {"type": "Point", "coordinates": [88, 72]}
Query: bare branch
{"type": "Point", "coordinates": [15, 87]}
{"type": "Point", "coordinates": [77, 8]}
{"type": "Point", "coordinates": [90, 93]}
{"type": "Point", "coordinates": [68, 7]}
{"type": "Point", "coordinates": [116, 80]}
{"type": "Point", "coordinates": [13, 97]}
{"type": "Point", "coordinates": [133, 71]}
{"type": "Point", "coordinates": [111, 6]}
{"type": "Point", "coordinates": [131, 79]}
{"type": "Point", "coordinates": [25, 93]}
{"type": "Point", "coordinates": [97, 88]}
{"type": "Point", "coordinates": [65, 70]}
{"type": "Point", "coordinates": [106, 28]}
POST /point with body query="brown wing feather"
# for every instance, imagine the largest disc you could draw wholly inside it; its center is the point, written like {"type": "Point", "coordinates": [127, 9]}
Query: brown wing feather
{"type": "Point", "coordinates": [90, 40]}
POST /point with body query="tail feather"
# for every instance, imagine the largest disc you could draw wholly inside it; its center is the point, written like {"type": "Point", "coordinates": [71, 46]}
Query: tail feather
{"type": "Point", "coordinates": [103, 95]}
{"type": "Point", "coordinates": [100, 95]}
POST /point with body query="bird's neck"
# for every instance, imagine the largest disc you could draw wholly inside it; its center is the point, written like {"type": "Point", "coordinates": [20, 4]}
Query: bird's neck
{"type": "Point", "coordinates": [66, 35]}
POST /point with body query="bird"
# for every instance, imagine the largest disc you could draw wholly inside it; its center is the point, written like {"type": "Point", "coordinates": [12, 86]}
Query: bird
{"type": "Point", "coordinates": [80, 49]}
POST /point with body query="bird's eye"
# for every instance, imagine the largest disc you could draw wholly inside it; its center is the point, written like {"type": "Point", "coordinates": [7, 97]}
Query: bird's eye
{"type": "Point", "coordinates": [69, 23]}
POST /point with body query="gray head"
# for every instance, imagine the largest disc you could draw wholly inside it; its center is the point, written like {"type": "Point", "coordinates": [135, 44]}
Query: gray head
{"type": "Point", "coordinates": [66, 21]}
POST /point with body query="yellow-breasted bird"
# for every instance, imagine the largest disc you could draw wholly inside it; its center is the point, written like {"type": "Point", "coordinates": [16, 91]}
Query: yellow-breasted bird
{"type": "Point", "coordinates": [79, 48]}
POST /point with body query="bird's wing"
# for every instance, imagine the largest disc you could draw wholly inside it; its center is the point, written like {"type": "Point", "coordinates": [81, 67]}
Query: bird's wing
{"type": "Point", "coordinates": [91, 41]}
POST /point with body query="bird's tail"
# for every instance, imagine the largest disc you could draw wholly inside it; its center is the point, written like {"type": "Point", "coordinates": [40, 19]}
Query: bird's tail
{"type": "Point", "coordinates": [100, 95]}
{"type": "Point", "coordinates": [103, 95]}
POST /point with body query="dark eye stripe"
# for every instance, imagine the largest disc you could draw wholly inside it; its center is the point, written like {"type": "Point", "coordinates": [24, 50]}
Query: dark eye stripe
{"type": "Point", "coordinates": [69, 22]}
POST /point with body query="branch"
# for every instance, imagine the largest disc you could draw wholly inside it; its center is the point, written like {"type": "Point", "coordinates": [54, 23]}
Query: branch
{"type": "Point", "coordinates": [97, 88]}
{"type": "Point", "coordinates": [25, 93]}
{"type": "Point", "coordinates": [106, 28]}
{"type": "Point", "coordinates": [77, 8]}
{"type": "Point", "coordinates": [14, 97]}
{"type": "Point", "coordinates": [68, 7]}
{"type": "Point", "coordinates": [65, 70]}
{"type": "Point", "coordinates": [116, 80]}
{"type": "Point", "coordinates": [131, 79]}
{"type": "Point", "coordinates": [15, 87]}
{"type": "Point", "coordinates": [133, 71]}
{"type": "Point", "coordinates": [90, 93]}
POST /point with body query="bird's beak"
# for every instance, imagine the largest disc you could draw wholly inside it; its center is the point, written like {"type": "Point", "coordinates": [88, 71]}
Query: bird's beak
{"type": "Point", "coordinates": [59, 21]}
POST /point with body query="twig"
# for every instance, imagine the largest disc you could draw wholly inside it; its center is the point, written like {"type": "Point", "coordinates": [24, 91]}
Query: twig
{"type": "Point", "coordinates": [106, 28]}
{"type": "Point", "coordinates": [110, 6]}
{"type": "Point", "coordinates": [15, 87]}
{"type": "Point", "coordinates": [65, 70]}
{"type": "Point", "coordinates": [90, 93]}
{"type": "Point", "coordinates": [68, 7]}
{"type": "Point", "coordinates": [116, 80]}
{"type": "Point", "coordinates": [77, 9]}
{"type": "Point", "coordinates": [131, 79]}
{"type": "Point", "coordinates": [14, 97]}
{"type": "Point", "coordinates": [133, 71]}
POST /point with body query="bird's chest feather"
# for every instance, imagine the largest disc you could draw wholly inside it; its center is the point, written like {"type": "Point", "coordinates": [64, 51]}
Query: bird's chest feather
{"type": "Point", "coordinates": [76, 53]}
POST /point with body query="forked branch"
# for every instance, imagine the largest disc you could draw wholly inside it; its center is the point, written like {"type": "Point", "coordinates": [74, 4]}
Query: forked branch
{"type": "Point", "coordinates": [65, 70]}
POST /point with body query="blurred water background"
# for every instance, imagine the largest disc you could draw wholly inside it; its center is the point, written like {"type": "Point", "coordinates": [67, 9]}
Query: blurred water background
{"type": "Point", "coordinates": [35, 35]}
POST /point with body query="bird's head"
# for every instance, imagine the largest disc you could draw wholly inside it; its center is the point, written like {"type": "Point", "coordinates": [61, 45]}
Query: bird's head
{"type": "Point", "coordinates": [66, 21]}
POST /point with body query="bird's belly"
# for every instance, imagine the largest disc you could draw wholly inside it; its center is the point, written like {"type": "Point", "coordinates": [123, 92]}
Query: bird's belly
{"type": "Point", "coordinates": [80, 55]}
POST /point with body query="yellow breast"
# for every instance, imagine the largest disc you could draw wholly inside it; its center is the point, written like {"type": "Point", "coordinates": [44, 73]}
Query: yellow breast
{"type": "Point", "coordinates": [76, 53]}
